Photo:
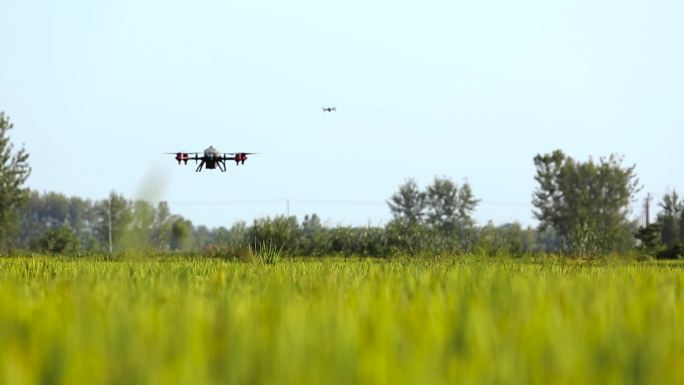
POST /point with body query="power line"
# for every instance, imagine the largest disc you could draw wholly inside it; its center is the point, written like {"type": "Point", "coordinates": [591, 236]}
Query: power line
{"type": "Point", "coordinates": [321, 202]}
{"type": "Point", "coordinates": [224, 203]}
{"type": "Point", "coordinates": [503, 203]}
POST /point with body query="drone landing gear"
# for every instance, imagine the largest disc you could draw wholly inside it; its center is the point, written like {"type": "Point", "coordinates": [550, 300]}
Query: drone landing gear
{"type": "Point", "coordinates": [199, 168]}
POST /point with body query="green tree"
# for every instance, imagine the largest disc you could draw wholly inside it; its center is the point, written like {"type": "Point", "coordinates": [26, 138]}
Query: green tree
{"type": "Point", "coordinates": [669, 218]}
{"type": "Point", "coordinates": [140, 229]}
{"type": "Point", "coordinates": [14, 170]}
{"type": "Point", "coordinates": [408, 204]}
{"type": "Point", "coordinates": [41, 212]}
{"type": "Point", "coordinates": [55, 210]}
{"type": "Point", "coordinates": [58, 240]}
{"type": "Point", "coordinates": [450, 209]}
{"type": "Point", "coordinates": [181, 235]}
{"type": "Point", "coordinates": [649, 239]}
{"type": "Point", "coordinates": [442, 202]}
{"type": "Point", "coordinates": [510, 239]}
{"type": "Point", "coordinates": [466, 205]}
{"type": "Point", "coordinates": [585, 203]}
{"type": "Point", "coordinates": [547, 240]}
{"type": "Point", "coordinates": [235, 237]}
{"type": "Point", "coordinates": [202, 237]}
{"type": "Point", "coordinates": [31, 222]}
{"type": "Point", "coordinates": [50, 210]}
{"type": "Point", "coordinates": [117, 209]}
{"type": "Point", "coordinates": [83, 220]}
{"type": "Point", "coordinates": [162, 224]}
{"type": "Point", "coordinates": [487, 242]}
{"type": "Point", "coordinates": [312, 240]}
{"type": "Point", "coordinates": [681, 225]}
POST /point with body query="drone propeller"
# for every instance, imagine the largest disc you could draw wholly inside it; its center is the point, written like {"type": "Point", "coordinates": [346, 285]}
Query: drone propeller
{"type": "Point", "coordinates": [185, 156]}
{"type": "Point", "coordinates": [238, 157]}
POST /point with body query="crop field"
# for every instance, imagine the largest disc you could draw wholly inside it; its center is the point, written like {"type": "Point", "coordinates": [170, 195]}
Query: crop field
{"type": "Point", "coordinates": [340, 321]}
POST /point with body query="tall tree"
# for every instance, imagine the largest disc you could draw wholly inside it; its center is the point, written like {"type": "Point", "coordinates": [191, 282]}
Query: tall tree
{"type": "Point", "coordinates": [408, 204]}
{"type": "Point", "coordinates": [311, 224]}
{"type": "Point", "coordinates": [450, 209]}
{"type": "Point", "coordinates": [681, 225]}
{"type": "Point", "coordinates": [586, 203]}
{"type": "Point", "coordinates": [669, 218]}
{"type": "Point", "coordinates": [162, 224]}
{"type": "Point", "coordinates": [83, 221]}
{"type": "Point", "coordinates": [32, 220]}
{"type": "Point", "coordinates": [442, 202]}
{"type": "Point", "coordinates": [466, 205]}
{"type": "Point", "coordinates": [41, 212]}
{"type": "Point", "coordinates": [14, 170]}
{"type": "Point", "coordinates": [48, 211]}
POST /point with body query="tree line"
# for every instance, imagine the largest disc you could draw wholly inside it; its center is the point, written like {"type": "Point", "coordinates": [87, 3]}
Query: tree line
{"type": "Point", "coordinates": [54, 223]}
{"type": "Point", "coordinates": [582, 208]}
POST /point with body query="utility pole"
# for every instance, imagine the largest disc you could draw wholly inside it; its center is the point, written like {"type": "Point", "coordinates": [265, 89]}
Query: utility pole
{"type": "Point", "coordinates": [110, 224]}
{"type": "Point", "coordinates": [647, 208]}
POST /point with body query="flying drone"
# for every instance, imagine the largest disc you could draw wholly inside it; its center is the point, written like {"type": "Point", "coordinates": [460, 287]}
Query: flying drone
{"type": "Point", "coordinates": [211, 158]}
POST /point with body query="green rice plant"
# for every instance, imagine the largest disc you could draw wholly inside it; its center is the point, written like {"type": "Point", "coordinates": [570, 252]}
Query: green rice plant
{"type": "Point", "coordinates": [267, 253]}
{"type": "Point", "coordinates": [471, 319]}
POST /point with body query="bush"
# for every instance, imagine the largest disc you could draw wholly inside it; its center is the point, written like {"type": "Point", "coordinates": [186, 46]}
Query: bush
{"type": "Point", "coordinates": [59, 240]}
{"type": "Point", "coordinates": [675, 251]}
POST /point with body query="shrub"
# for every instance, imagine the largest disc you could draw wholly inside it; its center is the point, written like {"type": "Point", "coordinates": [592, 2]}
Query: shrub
{"type": "Point", "coordinates": [59, 240]}
{"type": "Point", "coordinates": [675, 251]}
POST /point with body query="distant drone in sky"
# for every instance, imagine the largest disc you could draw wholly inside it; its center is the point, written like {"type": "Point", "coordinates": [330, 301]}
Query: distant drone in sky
{"type": "Point", "coordinates": [211, 158]}
{"type": "Point", "coordinates": [329, 109]}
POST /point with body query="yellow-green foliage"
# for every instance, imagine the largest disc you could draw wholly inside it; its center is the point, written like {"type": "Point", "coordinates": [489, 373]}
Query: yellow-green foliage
{"type": "Point", "coordinates": [195, 321]}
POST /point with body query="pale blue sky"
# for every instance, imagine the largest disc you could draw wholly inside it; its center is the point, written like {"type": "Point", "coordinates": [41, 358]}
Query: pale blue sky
{"type": "Point", "coordinates": [98, 90]}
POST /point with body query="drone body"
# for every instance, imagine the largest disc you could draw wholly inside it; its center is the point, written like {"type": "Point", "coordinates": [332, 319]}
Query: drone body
{"type": "Point", "coordinates": [329, 109]}
{"type": "Point", "coordinates": [211, 158]}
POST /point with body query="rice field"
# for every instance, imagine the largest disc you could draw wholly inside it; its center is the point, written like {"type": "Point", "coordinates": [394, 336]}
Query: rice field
{"type": "Point", "coordinates": [340, 321]}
